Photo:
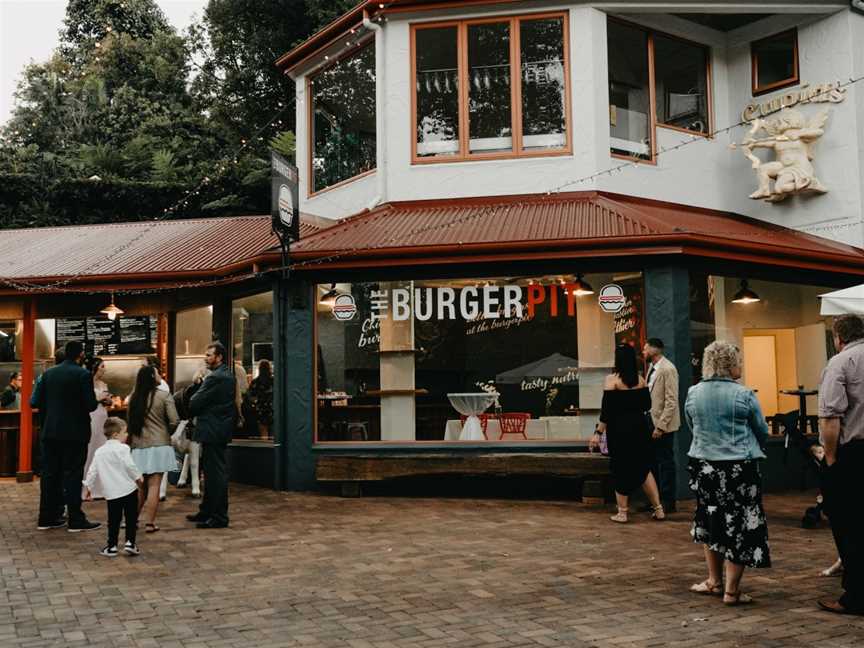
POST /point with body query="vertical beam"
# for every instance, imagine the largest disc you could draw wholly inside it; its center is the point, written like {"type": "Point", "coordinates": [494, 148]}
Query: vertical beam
{"type": "Point", "coordinates": [170, 365]}
{"type": "Point", "coordinates": [25, 429]}
{"type": "Point", "coordinates": [667, 316]}
{"type": "Point", "coordinates": [296, 382]}
{"type": "Point", "coordinates": [162, 346]}
{"type": "Point", "coordinates": [222, 326]}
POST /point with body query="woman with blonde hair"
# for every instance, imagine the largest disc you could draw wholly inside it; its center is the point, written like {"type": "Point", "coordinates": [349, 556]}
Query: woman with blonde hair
{"type": "Point", "coordinates": [728, 434]}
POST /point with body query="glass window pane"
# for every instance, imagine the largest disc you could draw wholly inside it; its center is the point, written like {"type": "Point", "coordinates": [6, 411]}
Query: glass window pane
{"type": "Point", "coordinates": [775, 59]}
{"type": "Point", "coordinates": [252, 333]}
{"type": "Point", "coordinates": [543, 84]}
{"type": "Point", "coordinates": [681, 84]}
{"type": "Point", "coordinates": [629, 97]}
{"type": "Point", "coordinates": [396, 359]}
{"type": "Point", "coordinates": [489, 109]}
{"type": "Point", "coordinates": [437, 88]}
{"type": "Point", "coordinates": [343, 119]}
{"type": "Point", "coordinates": [194, 333]}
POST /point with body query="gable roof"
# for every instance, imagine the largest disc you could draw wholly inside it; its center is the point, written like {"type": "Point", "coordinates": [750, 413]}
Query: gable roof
{"type": "Point", "coordinates": [537, 226]}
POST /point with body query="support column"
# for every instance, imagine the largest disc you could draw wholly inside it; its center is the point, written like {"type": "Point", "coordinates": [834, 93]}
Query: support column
{"type": "Point", "coordinates": [295, 384]}
{"type": "Point", "coordinates": [222, 327]}
{"type": "Point", "coordinates": [667, 316]}
{"type": "Point", "coordinates": [25, 429]}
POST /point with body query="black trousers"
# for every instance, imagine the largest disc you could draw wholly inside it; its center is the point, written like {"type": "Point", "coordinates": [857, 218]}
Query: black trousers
{"type": "Point", "coordinates": [664, 467]}
{"type": "Point", "coordinates": [845, 483]}
{"type": "Point", "coordinates": [118, 508]}
{"type": "Point", "coordinates": [214, 504]}
{"type": "Point", "coordinates": [62, 473]}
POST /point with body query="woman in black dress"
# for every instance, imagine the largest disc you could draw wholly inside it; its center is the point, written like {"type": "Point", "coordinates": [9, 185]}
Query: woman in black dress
{"type": "Point", "coordinates": [625, 419]}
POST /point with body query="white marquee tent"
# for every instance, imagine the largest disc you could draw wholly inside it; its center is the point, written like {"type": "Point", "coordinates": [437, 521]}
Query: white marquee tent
{"type": "Point", "coordinates": [841, 302]}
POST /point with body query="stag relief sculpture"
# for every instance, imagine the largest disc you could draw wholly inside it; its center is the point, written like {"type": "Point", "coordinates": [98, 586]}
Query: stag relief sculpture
{"type": "Point", "coordinates": [791, 137]}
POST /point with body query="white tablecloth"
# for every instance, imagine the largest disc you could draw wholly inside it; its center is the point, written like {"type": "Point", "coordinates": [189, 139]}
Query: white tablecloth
{"type": "Point", "coordinates": [470, 405]}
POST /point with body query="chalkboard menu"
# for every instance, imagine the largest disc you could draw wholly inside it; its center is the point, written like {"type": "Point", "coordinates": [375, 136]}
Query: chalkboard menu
{"type": "Point", "coordinates": [101, 336]}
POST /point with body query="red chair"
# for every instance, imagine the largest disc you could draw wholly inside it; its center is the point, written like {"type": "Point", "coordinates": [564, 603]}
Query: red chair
{"type": "Point", "coordinates": [513, 423]}
{"type": "Point", "coordinates": [484, 421]}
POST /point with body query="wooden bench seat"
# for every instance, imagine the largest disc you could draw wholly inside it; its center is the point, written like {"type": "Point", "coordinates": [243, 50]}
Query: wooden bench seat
{"type": "Point", "coordinates": [352, 469]}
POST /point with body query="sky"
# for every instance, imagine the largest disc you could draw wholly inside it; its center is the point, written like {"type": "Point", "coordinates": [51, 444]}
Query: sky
{"type": "Point", "coordinates": [29, 28]}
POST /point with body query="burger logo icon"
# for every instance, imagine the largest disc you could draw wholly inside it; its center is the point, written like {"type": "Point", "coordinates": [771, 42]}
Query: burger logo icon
{"type": "Point", "coordinates": [344, 308]}
{"type": "Point", "coordinates": [611, 298]}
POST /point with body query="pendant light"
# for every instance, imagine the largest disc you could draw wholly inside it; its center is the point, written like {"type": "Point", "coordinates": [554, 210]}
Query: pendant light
{"type": "Point", "coordinates": [111, 310]}
{"type": "Point", "coordinates": [329, 298]}
{"type": "Point", "coordinates": [745, 295]}
{"type": "Point", "coordinates": [582, 288]}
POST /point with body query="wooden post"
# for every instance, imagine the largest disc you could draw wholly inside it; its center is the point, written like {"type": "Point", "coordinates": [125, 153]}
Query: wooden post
{"type": "Point", "coordinates": [25, 430]}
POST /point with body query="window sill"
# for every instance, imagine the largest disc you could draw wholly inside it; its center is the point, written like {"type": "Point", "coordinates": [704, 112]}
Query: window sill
{"type": "Point", "coordinates": [777, 85]}
{"type": "Point", "coordinates": [687, 131]}
{"type": "Point", "coordinates": [420, 162]}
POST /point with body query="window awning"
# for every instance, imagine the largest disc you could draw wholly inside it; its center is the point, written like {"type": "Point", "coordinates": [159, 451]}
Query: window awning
{"type": "Point", "coordinates": [567, 225]}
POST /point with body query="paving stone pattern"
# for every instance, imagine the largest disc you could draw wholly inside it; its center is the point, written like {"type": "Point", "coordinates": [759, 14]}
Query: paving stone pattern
{"type": "Point", "coordinates": [318, 570]}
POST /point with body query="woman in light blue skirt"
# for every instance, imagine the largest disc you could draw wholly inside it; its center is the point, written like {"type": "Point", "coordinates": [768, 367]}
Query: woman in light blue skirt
{"type": "Point", "coordinates": [152, 420]}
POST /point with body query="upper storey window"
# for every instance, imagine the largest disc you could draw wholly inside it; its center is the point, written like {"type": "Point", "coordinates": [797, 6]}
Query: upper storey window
{"type": "Point", "coordinates": [491, 88]}
{"type": "Point", "coordinates": [775, 62]}
{"type": "Point", "coordinates": [654, 80]}
{"type": "Point", "coordinates": [342, 119]}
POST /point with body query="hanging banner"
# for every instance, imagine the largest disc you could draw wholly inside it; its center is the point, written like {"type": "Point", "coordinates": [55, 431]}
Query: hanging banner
{"type": "Point", "coordinates": [285, 198]}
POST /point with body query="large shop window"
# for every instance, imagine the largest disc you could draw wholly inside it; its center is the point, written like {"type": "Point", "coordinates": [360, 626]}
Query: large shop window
{"type": "Point", "coordinates": [775, 62]}
{"type": "Point", "coordinates": [252, 337]}
{"type": "Point", "coordinates": [491, 360]}
{"type": "Point", "coordinates": [646, 70]}
{"type": "Point", "coordinates": [194, 333]}
{"type": "Point", "coordinates": [342, 119]}
{"type": "Point", "coordinates": [784, 340]}
{"type": "Point", "coordinates": [491, 88]}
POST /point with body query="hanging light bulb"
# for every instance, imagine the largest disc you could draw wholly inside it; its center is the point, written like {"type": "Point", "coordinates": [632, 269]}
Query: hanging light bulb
{"type": "Point", "coordinates": [745, 295]}
{"type": "Point", "coordinates": [111, 310]}
{"type": "Point", "coordinates": [329, 298]}
{"type": "Point", "coordinates": [581, 288]}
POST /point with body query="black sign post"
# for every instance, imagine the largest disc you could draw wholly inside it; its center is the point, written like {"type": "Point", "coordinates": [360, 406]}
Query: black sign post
{"type": "Point", "coordinates": [285, 204]}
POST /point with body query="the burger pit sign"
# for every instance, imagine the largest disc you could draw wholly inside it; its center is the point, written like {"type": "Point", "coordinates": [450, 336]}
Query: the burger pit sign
{"type": "Point", "coordinates": [475, 302]}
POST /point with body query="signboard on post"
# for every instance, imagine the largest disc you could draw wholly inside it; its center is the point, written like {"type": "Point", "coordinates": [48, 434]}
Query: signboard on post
{"type": "Point", "coordinates": [285, 199]}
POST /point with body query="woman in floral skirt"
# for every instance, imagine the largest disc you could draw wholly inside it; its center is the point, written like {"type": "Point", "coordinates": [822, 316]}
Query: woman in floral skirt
{"type": "Point", "coordinates": [728, 434]}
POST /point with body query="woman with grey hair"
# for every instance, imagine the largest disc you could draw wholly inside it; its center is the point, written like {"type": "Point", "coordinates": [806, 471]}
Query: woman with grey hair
{"type": "Point", "coordinates": [728, 434]}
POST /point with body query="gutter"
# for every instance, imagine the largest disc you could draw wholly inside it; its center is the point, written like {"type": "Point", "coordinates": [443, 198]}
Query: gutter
{"type": "Point", "coordinates": [380, 124]}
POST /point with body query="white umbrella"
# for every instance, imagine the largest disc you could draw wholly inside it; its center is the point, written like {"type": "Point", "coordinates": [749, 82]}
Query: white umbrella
{"type": "Point", "coordinates": [842, 302]}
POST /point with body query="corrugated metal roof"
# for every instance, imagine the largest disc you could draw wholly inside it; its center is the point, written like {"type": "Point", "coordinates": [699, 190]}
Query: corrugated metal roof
{"type": "Point", "coordinates": [124, 249]}
{"type": "Point", "coordinates": [438, 228]}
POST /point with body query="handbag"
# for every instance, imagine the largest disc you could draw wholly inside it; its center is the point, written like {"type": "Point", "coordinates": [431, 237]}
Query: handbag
{"type": "Point", "coordinates": [604, 445]}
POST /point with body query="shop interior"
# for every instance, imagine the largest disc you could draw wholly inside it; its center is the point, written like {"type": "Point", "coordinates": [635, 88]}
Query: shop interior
{"type": "Point", "coordinates": [532, 373]}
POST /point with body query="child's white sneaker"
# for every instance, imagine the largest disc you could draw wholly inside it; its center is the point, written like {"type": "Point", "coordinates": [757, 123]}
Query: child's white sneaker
{"type": "Point", "coordinates": [108, 551]}
{"type": "Point", "coordinates": [130, 548]}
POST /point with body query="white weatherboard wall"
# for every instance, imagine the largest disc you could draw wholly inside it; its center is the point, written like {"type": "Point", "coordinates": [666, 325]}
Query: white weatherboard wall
{"type": "Point", "coordinates": [706, 173]}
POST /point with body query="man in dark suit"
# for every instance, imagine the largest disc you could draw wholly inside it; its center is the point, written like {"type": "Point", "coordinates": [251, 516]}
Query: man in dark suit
{"type": "Point", "coordinates": [65, 397]}
{"type": "Point", "coordinates": [214, 406]}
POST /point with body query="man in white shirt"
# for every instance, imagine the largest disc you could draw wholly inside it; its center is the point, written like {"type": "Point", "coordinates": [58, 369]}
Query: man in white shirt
{"type": "Point", "coordinates": [663, 385]}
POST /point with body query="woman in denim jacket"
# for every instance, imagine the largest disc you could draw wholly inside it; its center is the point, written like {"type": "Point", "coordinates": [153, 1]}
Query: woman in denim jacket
{"type": "Point", "coordinates": [728, 433]}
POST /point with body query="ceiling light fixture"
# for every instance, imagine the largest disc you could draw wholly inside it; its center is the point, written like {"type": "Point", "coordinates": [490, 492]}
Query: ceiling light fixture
{"type": "Point", "coordinates": [111, 310]}
{"type": "Point", "coordinates": [745, 295]}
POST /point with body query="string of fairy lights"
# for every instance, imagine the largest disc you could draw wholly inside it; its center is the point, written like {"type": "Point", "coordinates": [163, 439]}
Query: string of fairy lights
{"type": "Point", "coordinates": [354, 40]}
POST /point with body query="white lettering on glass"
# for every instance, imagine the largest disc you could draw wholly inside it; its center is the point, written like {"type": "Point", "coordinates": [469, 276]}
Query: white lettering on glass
{"type": "Point", "coordinates": [470, 310]}
{"type": "Point", "coordinates": [490, 301]}
{"type": "Point", "coordinates": [401, 304]}
{"type": "Point", "coordinates": [513, 301]}
{"type": "Point", "coordinates": [446, 299]}
{"type": "Point", "coordinates": [421, 313]}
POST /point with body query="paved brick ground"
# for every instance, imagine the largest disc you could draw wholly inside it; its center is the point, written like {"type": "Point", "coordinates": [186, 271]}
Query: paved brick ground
{"type": "Point", "coordinates": [313, 570]}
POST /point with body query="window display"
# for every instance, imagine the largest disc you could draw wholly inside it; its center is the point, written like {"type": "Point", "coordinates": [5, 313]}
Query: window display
{"type": "Point", "coordinates": [252, 333]}
{"type": "Point", "coordinates": [503, 359]}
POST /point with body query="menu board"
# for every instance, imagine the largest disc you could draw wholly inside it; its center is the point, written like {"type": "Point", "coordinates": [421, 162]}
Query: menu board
{"type": "Point", "coordinates": [101, 336]}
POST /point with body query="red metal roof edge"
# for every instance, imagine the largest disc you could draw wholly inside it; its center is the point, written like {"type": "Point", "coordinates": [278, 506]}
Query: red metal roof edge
{"type": "Point", "coordinates": [206, 219]}
{"type": "Point", "coordinates": [829, 253]}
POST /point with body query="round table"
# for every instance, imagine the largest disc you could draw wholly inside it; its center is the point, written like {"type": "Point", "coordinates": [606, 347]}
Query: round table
{"type": "Point", "coordinates": [470, 405]}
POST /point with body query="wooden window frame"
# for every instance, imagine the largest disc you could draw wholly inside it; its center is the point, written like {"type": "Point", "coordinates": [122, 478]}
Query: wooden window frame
{"type": "Point", "coordinates": [653, 124]}
{"type": "Point", "coordinates": [518, 152]}
{"type": "Point", "coordinates": [795, 79]}
{"type": "Point", "coordinates": [310, 121]}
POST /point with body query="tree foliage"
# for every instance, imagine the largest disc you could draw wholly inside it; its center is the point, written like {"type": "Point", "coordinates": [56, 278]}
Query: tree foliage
{"type": "Point", "coordinates": [128, 116]}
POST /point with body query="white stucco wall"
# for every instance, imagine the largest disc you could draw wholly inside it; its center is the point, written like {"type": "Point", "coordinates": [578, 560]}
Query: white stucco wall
{"type": "Point", "coordinates": [706, 173]}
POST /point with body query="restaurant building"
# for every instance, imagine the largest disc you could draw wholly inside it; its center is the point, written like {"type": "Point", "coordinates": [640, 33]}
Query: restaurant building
{"type": "Point", "coordinates": [504, 192]}
{"type": "Point", "coordinates": [518, 186]}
